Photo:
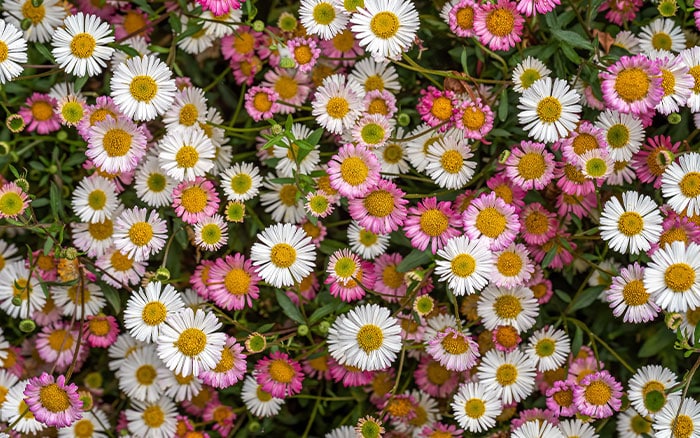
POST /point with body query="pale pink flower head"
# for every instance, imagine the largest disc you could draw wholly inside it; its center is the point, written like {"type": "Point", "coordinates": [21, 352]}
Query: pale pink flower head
{"type": "Point", "coordinates": [434, 378]}
{"type": "Point", "coordinates": [530, 8]}
{"type": "Point", "coordinates": [353, 171]}
{"type": "Point", "coordinates": [621, 11]}
{"type": "Point", "coordinates": [632, 85]}
{"type": "Point", "coordinates": [498, 25]}
{"type": "Point", "coordinates": [461, 18]}
{"type": "Point", "coordinates": [232, 282]}
{"type": "Point", "coordinates": [279, 375]}
{"type": "Point", "coordinates": [390, 283]}
{"type": "Point", "coordinates": [560, 398]}
{"type": "Point", "coordinates": [305, 52]}
{"type": "Point", "coordinates": [598, 395]}
{"type": "Point", "coordinates": [39, 114]}
{"type": "Point", "coordinates": [195, 200]}
{"type": "Point", "coordinates": [261, 103]}
{"type": "Point", "coordinates": [13, 201]}
{"type": "Point", "coordinates": [455, 350]}
{"type": "Point", "coordinates": [437, 107]}
{"type": "Point", "coordinates": [530, 165]}
{"type": "Point", "coordinates": [537, 225]}
{"type": "Point", "coordinates": [101, 330]}
{"type": "Point", "coordinates": [382, 210]}
{"type": "Point", "coordinates": [350, 376]}
{"type": "Point", "coordinates": [52, 401]}
{"type": "Point", "coordinates": [489, 217]}
{"type": "Point", "coordinates": [656, 155]}
{"type": "Point", "coordinates": [230, 368]}
{"type": "Point", "coordinates": [474, 118]}
{"type": "Point", "coordinates": [432, 223]}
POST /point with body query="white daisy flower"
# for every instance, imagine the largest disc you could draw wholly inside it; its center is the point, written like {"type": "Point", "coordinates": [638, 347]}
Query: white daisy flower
{"type": "Point", "coordinates": [13, 411]}
{"type": "Point", "coordinates": [549, 348]}
{"type": "Point", "coordinates": [259, 402]}
{"type": "Point", "coordinates": [188, 110]}
{"type": "Point", "coordinates": [154, 186]}
{"type": "Point", "coordinates": [679, 418]}
{"type": "Point", "coordinates": [649, 389]}
{"type": "Point", "coordinates": [632, 425]}
{"type": "Point", "coordinates": [141, 375]}
{"type": "Point", "coordinates": [467, 265]}
{"type": "Point", "coordinates": [439, 324]}
{"type": "Point", "coordinates": [392, 156]}
{"type": "Point", "coordinates": [691, 58]}
{"type": "Point", "coordinates": [80, 47]}
{"type": "Point", "coordinates": [181, 388]}
{"type": "Point", "coordinates": [367, 337]}
{"type": "Point", "coordinates": [8, 253]}
{"type": "Point", "coordinates": [211, 233]}
{"type": "Point", "coordinates": [186, 154]}
{"type": "Point", "coordinates": [147, 310]}
{"type": "Point", "coordinates": [385, 28]}
{"type": "Point", "coordinates": [596, 164]}
{"type": "Point", "coordinates": [549, 110]}
{"type": "Point", "coordinates": [241, 181]}
{"type": "Point", "coordinates": [624, 134]}
{"type": "Point", "coordinates": [680, 184]}
{"type": "Point", "coordinates": [153, 420]}
{"type": "Point", "coordinates": [282, 202]}
{"type": "Point", "coordinates": [95, 199]}
{"type": "Point", "coordinates": [15, 281]}
{"type": "Point", "coordinates": [13, 48]}
{"type": "Point", "coordinates": [337, 104]}
{"type": "Point", "coordinates": [577, 429]}
{"type": "Point", "coordinates": [516, 307]}
{"type": "Point", "coordinates": [120, 269]}
{"type": "Point", "coordinates": [661, 34]}
{"type": "Point", "coordinates": [631, 226]}
{"type": "Point", "coordinates": [7, 381]}
{"type": "Point", "coordinates": [325, 18]}
{"type": "Point", "coordinates": [219, 26]}
{"type": "Point", "coordinates": [677, 82]}
{"type": "Point", "coordinates": [42, 19]}
{"type": "Point", "coordinates": [475, 408]}
{"type": "Point", "coordinates": [123, 347]}
{"type": "Point", "coordinates": [197, 42]}
{"type": "Point", "coordinates": [189, 342]}
{"type": "Point", "coordinates": [139, 233]}
{"type": "Point", "coordinates": [73, 300]}
{"type": "Point", "coordinates": [116, 145]}
{"type": "Point", "coordinates": [366, 243]}
{"type": "Point", "coordinates": [448, 163]}
{"type": "Point", "coordinates": [527, 72]}
{"type": "Point", "coordinates": [511, 375]}
{"type": "Point", "coordinates": [284, 256]}
{"type": "Point", "coordinates": [94, 421]}
{"type": "Point", "coordinates": [374, 75]}
{"type": "Point", "coordinates": [422, 138]}
{"type": "Point", "coordinates": [537, 429]}
{"type": "Point", "coordinates": [672, 277]}
{"type": "Point", "coordinates": [628, 41]}
{"type": "Point", "coordinates": [143, 88]}
{"type": "Point", "coordinates": [342, 432]}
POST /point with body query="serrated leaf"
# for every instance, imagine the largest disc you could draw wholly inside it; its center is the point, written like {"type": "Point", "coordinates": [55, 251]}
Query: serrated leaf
{"type": "Point", "coordinates": [414, 259]}
{"type": "Point", "coordinates": [503, 106]}
{"type": "Point", "coordinates": [657, 342]}
{"type": "Point", "coordinates": [288, 307]}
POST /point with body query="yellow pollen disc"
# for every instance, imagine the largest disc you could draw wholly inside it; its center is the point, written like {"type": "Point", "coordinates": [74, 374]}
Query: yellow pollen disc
{"type": "Point", "coordinates": [35, 14]}
{"type": "Point", "coordinates": [99, 115]}
{"type": "Point", "coordinates": [465, 18]}
{"type": "Point", "coordinates": [156, 182]}
{"type": "Point", "coordinates": [241, 183]}
{"type": "Point", "coordinates": [598, 393]}
{"type": "Point", "coordinates": [392, 278]}
{"type": "Point", "coordinates": [83, 45]}
{"type": "Point", "coordinates": [683, 426]}
{"type": "Point", "coordinates": [186, 157]}
{"type": "Point", "coordinates": [54, 399]}
{"type": "Point", "coordinates": [374, 82]}
{"type": "Point", "coordinates": [463, 265]}
{"type": "Point", "coordinates": [153, 416]}
{"type": "Point", "coordinates": [281, 371]}
{"type": "Point", "coordinates": [393, 153]}
{"type": "Point", "coordinates": [263, 395]}
{"type": "Point", "coordinates": [695, 72]}
{"type": "Point", "coordinates": [473, 118]}
{"type": "Point", "coordinates": [632, 84]}
{"type": "Point", "coordinates": [452, 161]}
{"type": "Point", "coordinates": [41, 111]}
{"type": "Point", "coordinates": [83, 429]}
{"type": "Point", "coordinates": [379, 203]}
{"type": "Point", "coordinates": [506, 374]}
{"type": "Point", "coordinates": [311, 230]}
{"type": "Point", "coordinates": [668, 82]}
{"type": "Point", "coordinates": [500, 22]}
{"type": "Point", "coordinates": [662, 41]}
{"type": "Point", "coordinates": [368, 238]}
{"type": "Point", "coordinates": [4, 51]}
{"type": "Point", "coordinates": [237, 282]}
{"type": "Point", "coordinates": [385, 24]}
{"type": "Point", "coordinates": [194, 199]}
{"type": "Point", "coordinates": [143, 88]}
{"type": "Point", "coordinates": [509, 264]}
{"type": "Point", "coordinates": [99, 327]}
{"type": "Point", "coordinates": [370, 338]}
{"type": "Point", "coordinates": [244, 43]}
{"type": "Point", "coordinates": [372, 133]}
{"type": "Point", "coordinates": [528, 77]}
{"type": "Point", "coordinates": [507, 336]}
{"type": "Point", "coordinates": [286, 87]}
{"type": "Point", "coordinates": [679, 277]}
{"type": "Point", "coordinates": [618, 136]}
{"type": "Point", "coordinates": [433, 222]}
{"type": "Point", "coordinates": [226, 362]}
{"type": "Point", "coordinates": [60, 340]}
{"type": "Point", "coordinates": [146, 374]}
{"type": "Point", "coordinates": [437, 374]}
{"type": "Point", "coordinates": [11, 204]}
{"type": "Point", "coordinates": [262, 102]}
{"type": "Point", "coordinates": [549, 109]}
{"type": "Point", "coordinates": [344, 41]}
{"type": "Point", "coordinates": [303, 54]}
{"type": "Point", "coordinates": [545, 347]}
{"type": "Point", "coordinates": [354, 171]}
{"type": "Point", "coordinates": [76, 297]}
{"type": "Point", "coordinates": [154, 313]}
{"type": "Point", "coordinates": [191, 342]}
{"type": "Point", "coordinates": [564, 398]}
{"type": "Point", "coordinates": [490, 222]}
{"type": "Point", "coordinates": [635, 294]}
{"type": "Point", "coordinates": [454, 344]}
{"type": "Point", "coordinates": [120, 262]}
{"type": "Point", "coordinates": [442, 108]}
{"type": "Point", "coordinates": [319, 363]}
{"type": "Point", "coordinates": [690, 184]}
{"type": "Point", "coordinates": [474, 408]}
{"type": "Point", "coordinates": [288, 195]}
{"type": "Point", "coordinates": [399, 407]}
{"type": "Point", "coordinates": [283, 255]}
{"type": "Point", "coordinates": [134, 21]}
{"type": "Point", "coordinates": [507, 307]}
{"type": "Point", "coordinates": [211, 234]}
{"type": "Point", "coordinates": [345, 267]}
{"type": "Point", "coordinates": [630, 223]}
{"type": "Point", "coordinates": [324, 14]}
{"type": "Point", "coordinates": [337, 107]}
{"type": "Point", "coordinates": [378, 106]}
{"type": "Point", "coordinates": [97, 199]}
{"type": "Point", "coordinates": [584, 142]}
{"type": "Point", "coordinates": [536, 223]}
{"type": "Point", "coordinates": [72, 112]}
{"type": "Point", "coordinates": [45, 263]}
{"type": "Point", "coordinates": [573, 174]}
{"type": "Point", "coordinates": [188, 114]}
{"type": "Point", "coordinates": [141, 233]}
{"type": "Point", "coordinates": [596, 167]}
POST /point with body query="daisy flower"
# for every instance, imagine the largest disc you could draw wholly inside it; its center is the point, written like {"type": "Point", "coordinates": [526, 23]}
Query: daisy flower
{"type": "Point", "coordinates": [380, 103]}
{"type": "Point", "coordinates": [186, 154]}
{"type": "Point", "coordinates": [147, 310]}
{"type": "Point", "coordinates": [284, 255]}
{"type": "Point", "coordinates": [241, 182]}
{"type": "Point", "coordinates": [648, 388]}
{"type": "Point", "coordinates": [437, 108]}
{"type": "Point", "coordinates": [94, 423]}
{"type": "Point", "coordinates": [661, 34]}
{"type": "Point", "coordinates": [141, 375]}
{"type": "Point", "coordinates": [143, 88]}
{"type": "Point", "coordinates": [632, 85]}
{"type": "Point", "coordinates": [560, 398]}
{"type": "Point", "coordinates": [119, 269]}
{"type": "Point", "coordinates": [258, 401]}
{"type": "Point", "coordinates": [15, 411]}
{"type": "Point", "coordinates": [367, 337]}
{"type": "Point", "coordinates": [13, 201]}
{"type": "Point", "coordinates": [516, 307]}
{"type": "Point", "coordinates": [512, 266]}
{"type": "Point", "coordinates": [282, 202]}
{"type": "Point", "coordinates": [116, 145]}
{"type": "Point", "coordinates": [373, 75]}
{"type": "Point", "coordinates": [530, 166]}
{"type": "Point", "coordinates": [680, 416]}
{"type": "Point", "coordinates": [598, 395]}
{"type": "Point", "coordinates": [153, 185]}
{"type": "Point", "coordinates": [691, 58]}
{"type": "Point", "coordinates": [596, 164]}
{"type": "Point", "coordinates": [100, 330]}
{"type": "Point", "coordinates": [188, 110]}
{"type": "Point", "coordinates": [467, 265]}
{"type": "Point", "coordinates": [292, 87]}
{"type": "Point", "coordinates": [628, 297]}
{"type": "Point", "coordinates": [537, 429]}
{"type": "Point", "coordinates": [155, 420]}
{"type": "Point", "coordinates": [365, 242]}
{"type": "Point", "coordinates": [42, 19]}
{"type": "Point", "coordinates": [195, 200]}
{"type": "Point", "coordinates": [279, 375]}
{"type": "Point", "coordinates": [76, 299]}
{"type": "Point", "coordinates": [474, 118]}
{"type": "Point", "coordinates": [656, 156]}
{"type": "Point", "coordinates": [95, 199]}
{"type": "Point", "coordinates": [620, 12]}
{"type": "Point", "coordinates": [232, 283]}
{"type": "Point", "coordinates": [80, 47]}
{"type": "Point", "coordinates": [509, 375]}
{"type": "Point", "coordinates": [52, 401]}
{"type": "Point", "coordinates": [230, 368]}
{"type": "Point", "coordinates": [15, 281]}
{"type": "Point", "coordinates": [455, 350]}
{"type": "Point", "coordinates": [624, 134]}
{"type": "Point", "coordinates": [292, 159]}
{"type": "Point", "coordinates": [384, 28]}
{"type": "Point", "coordinates": [139, 234]}
{"type": "Point", "coordinates": [325, 18]}
{"type": "Point", "coordinates": [672, 277]}
{"type": "Point", "coordinates": [431, 223]}
{"type": "Point", "coordinates": [549, 347]}
{"type": "Point", "coordinates": [15, 49]}
{"type": "Point", "coordinates": [680, 184]}
{"type": "Point", "coordinates": [319, 204]}
{"type": "Point", "coordinates": [211, 233]}
{"type": "Point", "coordinates": [448, 163]}
{"type": "Point", "coordinates": [343, 265]}
{"type": "Point", "coordinates": [633, 225]}
{"type": "Point", "coordinates": [460, 17]}
{"type": "Point", "coordinates": [382, 210]}
{"type": "Point", "coordinates": [337, 103]}
{"type": "Point", "coordinates": [677, 81]}
{"type": "Point", "coordinates": [549, 110]}
{"type": "Point", "coordinates": [490, 218]}
{"type": "Point", "coordinates": [498, 25]}
{"type": "Point", "coordinates": [261, 103]}
{"type": "Point", "coordinates": [586, 137]}
{"type": "Point", "coordinates": [372, 130]}
{"type": "Point", "coordinates": [632, 425]}
{"type": "Point", "coordinates": [353, 171]}
{"type": "Point", "coordinates": [528, 72]}
{"type": "Point", "coordinates": [39, 114]}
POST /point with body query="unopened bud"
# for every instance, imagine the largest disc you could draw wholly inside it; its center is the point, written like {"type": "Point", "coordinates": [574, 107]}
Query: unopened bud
{"type": "Point", "coordinates": [25, 24]}
{"type": "Point", "coordinates": [674, 118]}
{"type": "Point", "coordinates": [276, 129]}
{"type": "Point", "coordinates": [22, 184]}
{"type": "Point", "coordinates": [258, 25]}
{"type": "Point", "coordinates": [673, 320]}
{"type": "Point", "coordinates": [37, 3]}
{"type": "Point", "coordinates": [17, 301]}
{"type": "Point", "coordinates": [27, 326]}
{"type": "Point", "coordinates": [303, 330]}
{"type": "Point", "coordinates": [162, 274]}
{"type": "Point", "coordinates": [403, 119]}
{"type": "Point", "coordinates": [254, 427]}
{"type": "Point", "coordinates": [323, 327]}
{"type": "Point", "coordinates": [70, 253]}
{"type": "Point", "coordinates": [287, 63]}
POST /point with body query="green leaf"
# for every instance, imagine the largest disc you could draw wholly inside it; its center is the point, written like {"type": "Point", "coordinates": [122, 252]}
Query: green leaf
{"type": "Point", "coordinates": [45, 52]}
{"type": "Point", "coordinates": [657, 342]}
{"type": "Point", "coordinates": [282, 180]}
{"type": "Point", "coordinates": [586, 298]}
{"type": "Point", "coordinates": [288, 307]}
{"type": "Point", "coordinates": [48, 245]}
{"type": "Point", "coordinates": [192, 29]}
{"type": "Point", "coordinates": [143, 4]}
{"type": "Point", "coordinates": [56, 204]}
{"type": "Point", "coordinates": [414, 259]}
{"type": "Point", "coordinates": [573, 39]}
{"type": "Point", "coordinates": [80, 82]}
{"type": "Point", "coordinates": [322, 312]}
{"type": "Point", "coordinates": [503, 106]}
{"type": "Point", "coordinates": [563, 295]}
{"type": "Point", "coordinates": [577, 342]}
{"type": "Point", "coordinates": [127, 49]}
{"type": "Point", "coordinates": [549, 256]}
{"type": "Point", "coordinates": [265, 327]}
{"type": "Point", "coordinates": [315, 136]}
{"type": "Point", "coordinates": [112, 296]}
{"type": "Point", "coordinates": [570, 53]}
{"type": "Point", "coordinates": [175, 23]}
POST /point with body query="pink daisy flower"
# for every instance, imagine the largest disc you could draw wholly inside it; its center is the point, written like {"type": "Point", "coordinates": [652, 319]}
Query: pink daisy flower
{"type": "Point", "coordinates": [261, 103]}
{"type": "Point", "coordinates": [506, 189]}
{"type": "Point", "coordinates": [437, 107]}
{"type": "Point", "coordinates": [343, 265]}
{"type": "Point", "coordinates": [542, 416]}
{"type": "Point", "coordinates": [232, 282]}
{"type": "Point", "coordinates": [317, 368]}
{"type": "Point", "coordinates": [506, 338]}
{"type": "Point", "coordinates": [390, 283]}
{"type": "Point", "coordinates": [131, 23]}
{"type": "Point", "coordinates": [304, 52]}
{"type": "Point", "coordinates": [562, 256]}
{"type": "Point", "coordinates": [498, 25]}
{"type": "Point", "coordinates": [632, 85]}
{"type": "Point", "coordinates": [353, 171]}
{"type": "Point", "coordinates": [454, 350]}
{"type": "Point", "coordinates": [579, 206]}
{"type": "Point", "coordinates": [103, 109]}
{"type": "Point", "coordinates": [244, 71]}
{"type": "Point", "coordinates": [199, 280]}
{"type": "Point", "coordinates": [474, 118]}
{"type": "Point", "coordinates": [342, 49]}
{"type": "Point", "coordinates": [438, 429]}
{"type": "Point", "coordinates": [372, 130]}
{"type": "Point", "coordinates": [279, 375]}
{"type": "Point", "coordinates": [116, 145]}
{"type": "Point", "coordinates": [382, 210]}
{"type": "Point", "coordinates": [533, 7]}
{"type": "Point", "coordinates": [621, 11]}
{"type": "Point", "coordinates": [541, 287]}
{"type": "Point", "coordinates": [101, 330]}
{"type": "Point", "coordinates": [598, 395]}
{"type": "Point", "coordinates": [39, 114]}
{"type": "Point", "coordinates": [461, 18]}
{"type": "Point", "coordinates": [586, 137]}
{"type": "Point", "coordinates": [349, 375]}
{"type": "Point", "coordinates": [292, 87]}
{"type": "Point", "coordinates": [676, 228]}
{"type": "Point", "coordinates": [537, 225]}
{"type": "Point", "coordinates": [490, 218]}
{"type": "Point", "coordinates": [629, 298]}
{"type": "Point", "coordinates": [353, 289]}
{"type": "Point", "coordinates": [221, 416]}
{"type": "Point", "coordinates": [230, 369]}
{"type": "Point", "coordinates": [52, 401]}
{"type": "Point", "coordinates": [571, 180]}
{"type": "Point", "coordinates": [13, 201]}
{"type": "Point", "coordinates": [432, 223]}
{"type": "Point", "coordinates": [656, 155]}
{"type": "Point", "coordinates": [240, 45]}
{"type": "Point", "coordinates": [195, 200]}
{"type": "Point", "coordinates": [56, 344]}
{"type": "Point", "coordinates": [433, 378]}
{"type": "Point", "coordinates": [560, 398]}
{"type": "Point", "coordinates": [220, 7]}
{"type": "Point", "coordinates": [380, 102]}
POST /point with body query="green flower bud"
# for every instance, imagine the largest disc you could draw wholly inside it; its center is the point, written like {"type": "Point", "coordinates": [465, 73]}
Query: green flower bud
{"type": "Point", "coordinates": [254, 427]}
{"type": "Point", "coordinates": [62, 135]}
{"type": "Point", "coordinates": [403, 119]}
{"type": "Point", "coordinates": [162, 274]}
{"type": "Point", "coordinates": [287, 63]}
{"type": "Point", "coordinates": [303, 330]}
{"type": "Point", "coordinates": [258, 25]}
{"type": "Point", "coordinates": [70, 253]}
{"type": "Point", "coordinates": [25, 24]}
{"type": "Point", "coordinates": [276, 129]}
{"type": "Point", "coordinates": [27, 326]}
{"type": "Point", "coordinates": [22, 184]}
{"type": "Point", "coordinates": [323, 327]}
{"type": "Point", "coordinates": [674, 118]}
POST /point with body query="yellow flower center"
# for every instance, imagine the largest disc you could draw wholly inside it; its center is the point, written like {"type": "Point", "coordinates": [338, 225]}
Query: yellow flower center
{"type": "Point", "coordinates": [237, 282]}
{"type": "Point", "coordinates": [442, 108]}
{"type": "Point", "coordinates": [244, 43]}
{"type": "Point", "coordinates": [281, 371]}
{"type": "Point", "coordinates": [143, 88]}
{"type": "Point", "coordinates": [211, 234]}
{"type": "Point", "coordinates": [141, 233]}
{"type": "Point", "coordinates": [83, 45]}
{"type": "Point", "coordinates": [507, 336]}
{"type": "Point", "coordinates": [392, 278]}
{"type": "Point", "coordinates": [598, 393]}
{"type": "Point", "coordinates": [506, 374]}
{"type": "Point", "coordinates": [191, 342]}
{"type": "Point", "coordinates": [379, 203]}
{"type": "Point", "coordinates": [463, 265]}
{"type": "Point", "coordinates": [283, 255]}
{"type": "Point", "coordinates": [188, 114]}
{"type": "Point", "coordinates": [134, 21]}
{"type": "Point", "coordinates": [337, 107]}
{"type": "Point", "coordinates": [262, 102]}
{"type": "Point", "coordinates": [564, 398]}
{"type": "Point", "coordinates": [474, 408]}
{"type": "Point", "coordinates": [83, 429]}
{"type": "Point", "coordinates": [60, 340]}
{"type": "Point", "coordinates": [354, 171]}
{"type": "Point", "coordinates": [500, 22]}
{"type": "Point", "coordinates": [35, 14]}
{"type": "Point", "coordinates": [194, 199]}
{"type": "Point", "coordinates": [490, 222]}
{"type": "Point", "coordinates": [536, 223]}
{"type": "Point", "coordinates": [661, 41]}
{"type": "Point", "coordinates": [324, 14]}
{"type": "Point", "coordinates": [454, 344]}
{"type": "Point", "coordinates": [241, 183]}
{"type": "Point", "coordinates": [618, 136]}
{"type": "Point", "coordinates": [263, 396]}
{"type": "Point", "coordinates": [288, 195]}
{"type": "Point", "coordinates": [632, 84]}
{"type": "Point", "coordinates": [99, 327]}
{"type": "Point", "coordinates": [640, 425]}
{"type": "Point", "coordinates": [303, 54]}
{"type": "Point", "coordinates": [187, 157]}
{"type": "Point", "coordinates": [370, 338]}
{"type": "Point", "coordinates": [154, 313]}
{"type": "Point", "coordinates": [507, 307]}
{"type": "Point", "coordinates": [465, 18]}
{"type": "Point", "coordinates": [393, 153]}
{"type": "Point", "coordinates": [583, 143]}
{"type": "Point", "coordinates": [54, 399]}
{"type": "Point", "coordinates": [451, 161]}
{"type": "Point", "coordinates": [400, 407]}
{"type": "Point", "coordinates": [630, 223]}
{"type": "Point", "coordinates": [226, 362]}
{"type": "Point", "coordinates": [433, 222]}
{"type": "Point", "coordinates": [318, 204]}
{"type": "Point", "coordinates": [156, 182]}
{"type": "Point", "coordinates": [596, 167]}
{"type": "Point", "coordinates": [367, 238]}
{"type": "Point", "coordinates": [679, 277]}
{"type": "Point", "coordinates": [99, 115]}
{"type": "Point", "coordinates": [437, 374]}
{"type": "Point", "coordinates": [286, 87]}
{"type": "Point", "coordinates": [345, 267]}
{"type": "Point", "coordinates": [42, 111]}
{"type": "Point", "coordinates": [11, 204]}
{"type": "Point", "coordinates": [344, 41]}
{"type": "Point", "coordinates": [528, 77]}
{"type": "Point", "coordinates": [473, 118]}
{"type": "Point", "coordinates": [120, 262]}
{"type": "Point", "coordinates": [153, 416]}
{"type": "Point", "coordinates": [378, 106]}
{"type": "Point", "coordinates": [635, 294]}
{"type": "Point", "coordinates": [372, 133]}
{"type": "Point", "coordinates": [76, 297]}
{"type": "Point", "coordinates": [509, 264]}
{"type": "Point", "coordinates": [690, 184]}
{"type": "Point", "coordinates": [549, 109]}
{"type": "Point", "coordinates": [385, 24]}
{"type": "Point", "coordinates": [146, 374]}
{"type": "Point", "coordinates": [668, 82]}
{"type": "Point", "coordinates": [72, 112]}
{"type": "Point", "coordinates": [545, 347]}
{"type": "Point", "coordinates": [695, 72]}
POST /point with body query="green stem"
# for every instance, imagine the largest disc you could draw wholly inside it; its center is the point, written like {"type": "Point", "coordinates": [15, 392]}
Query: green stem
{"type": "Point", "coordinates": [218, 79]}
{"type": "Point", "coordinates": [596, 338]}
